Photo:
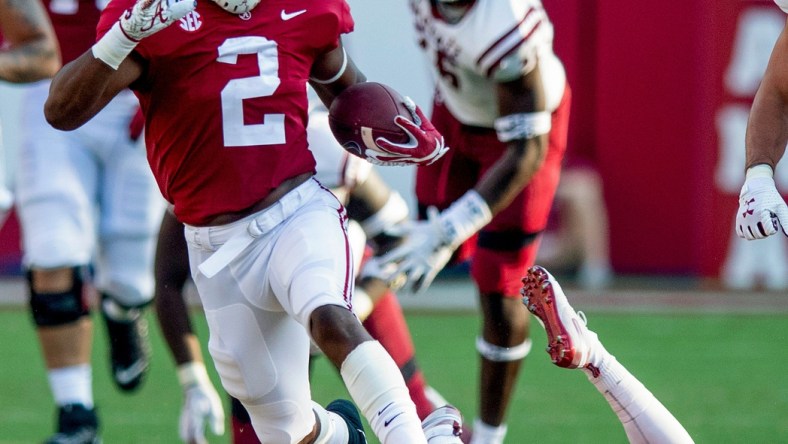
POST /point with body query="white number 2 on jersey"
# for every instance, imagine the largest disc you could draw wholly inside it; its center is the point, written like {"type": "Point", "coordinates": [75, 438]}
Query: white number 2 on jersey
{"type": "Point", "coordinates": [272, 129]}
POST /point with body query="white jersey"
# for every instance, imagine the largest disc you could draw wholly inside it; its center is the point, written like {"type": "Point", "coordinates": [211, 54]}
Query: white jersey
{"type": "Point", "coordinates": [783, 4]}
{"type": "Point", "coordinates": [497, 40]}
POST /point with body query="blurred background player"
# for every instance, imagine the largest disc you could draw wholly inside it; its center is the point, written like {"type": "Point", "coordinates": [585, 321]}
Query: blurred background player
{"type": "Point", "coordinates": [572, 345]}
{"type": "Point", "coordinates": [373, 208]}
{"type": "Point", "coordinates": [28, 53]}
{"type": "Point", "coordinates": [267, 244]}
{"type": "Point", "coordinates": [502, 103]}
{"type": "Point", "coordinates": [762, 211]}
{"type": "Point", "coordinates": [85, 198]}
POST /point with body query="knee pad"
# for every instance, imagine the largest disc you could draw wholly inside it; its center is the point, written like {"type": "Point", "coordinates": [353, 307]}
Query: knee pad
{"type": "Point", "coordinates": [497, 353]}
{"type": "Point", "coordinates": [52, 309]}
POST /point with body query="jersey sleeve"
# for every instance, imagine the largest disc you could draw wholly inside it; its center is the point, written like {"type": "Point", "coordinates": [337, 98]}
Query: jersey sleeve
{"type": "Point", "coordinates": [328, 26]}
{"type": "Point", "coordinates": [783, 4]}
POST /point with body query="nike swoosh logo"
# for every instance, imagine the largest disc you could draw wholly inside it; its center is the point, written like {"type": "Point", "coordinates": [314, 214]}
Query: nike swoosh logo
{"type": "Point", "coordinates": [126, 375]}
{"type": "Point", "coordinates": [387, 422]}
{"type": "Point", "coordinates": [288, 15]}
{"type": "Point", "coordinates": [384, 408]}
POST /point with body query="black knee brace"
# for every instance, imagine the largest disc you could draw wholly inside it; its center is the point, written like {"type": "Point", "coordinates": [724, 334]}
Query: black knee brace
{"type": "Point", "coordinates": [52, 309]}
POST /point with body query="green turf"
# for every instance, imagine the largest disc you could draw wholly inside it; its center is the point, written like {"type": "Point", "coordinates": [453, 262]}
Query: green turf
{"type": "Point", "coordinates": [721, 375]}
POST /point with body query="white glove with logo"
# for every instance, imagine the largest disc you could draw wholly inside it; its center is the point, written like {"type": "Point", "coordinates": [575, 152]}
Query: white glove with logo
{"type": "Point", "coordinates": [762, 211]}
{"type": "Point", "coordinates": [201, 404]}
{"type": "Point", "coordinates": [429, 244]}
{"type": "Point", "coordinates": [144, 19]}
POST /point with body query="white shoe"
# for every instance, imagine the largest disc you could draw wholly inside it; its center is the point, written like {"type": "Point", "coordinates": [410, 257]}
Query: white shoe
{"type": "Point", "coordinates": [569, 341]}
{"type": "Point", "coordinates": [443, 426]}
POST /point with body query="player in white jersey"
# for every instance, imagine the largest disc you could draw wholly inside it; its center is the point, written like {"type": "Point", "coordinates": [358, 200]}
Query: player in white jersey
{"type": "Point", "coordinates": [762, 211]}
{"type": "Point", "coordinates": [503, 103]}
{"type": "Point", "coordinates": [29, 54]}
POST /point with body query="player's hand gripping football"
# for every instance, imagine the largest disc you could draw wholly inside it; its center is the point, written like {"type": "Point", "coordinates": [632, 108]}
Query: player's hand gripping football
{"type": "Point", "coordinates": [144, 19]}
{"type": "Point", "coordinates": [425, 144]}
{"type": "Point", "coordinates": [202, 406]}
{"type": "Point", "coordinates": [762, 211]}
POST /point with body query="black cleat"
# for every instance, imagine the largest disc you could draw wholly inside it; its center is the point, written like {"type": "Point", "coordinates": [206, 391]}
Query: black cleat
{"type": "Point", "coordinates": [348, 411]}
{"type": "Point", "coordinates": [76, 425]}
{"type": "Point", "coordinates": [129, 349]}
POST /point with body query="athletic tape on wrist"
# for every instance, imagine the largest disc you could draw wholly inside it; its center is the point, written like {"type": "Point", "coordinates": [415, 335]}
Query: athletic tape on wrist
{"type": "Point", "coordinates": [191, 374]}
{"type": "Point", "coordinates": [395, 210]}
{"type": "Point", "coordinates": [114, 47]}
{"type": "Point", "coordinates": [523, 125]}
{"type": "Point", "coordinates": [497, 353]}
{"type": "Point", "coordinates": [467, 215]}
{"type": "Point", "coordinates": [760, 170]}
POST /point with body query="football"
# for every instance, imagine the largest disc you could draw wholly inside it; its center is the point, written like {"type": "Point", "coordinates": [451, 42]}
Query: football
{"type": "Point", "coordinates": [365, 112]}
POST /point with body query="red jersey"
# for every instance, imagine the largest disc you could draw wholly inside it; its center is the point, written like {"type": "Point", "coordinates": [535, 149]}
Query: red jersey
{"type": "Point", "coordinates": [75, 24]}
{"type": "Point", "coordinates": [225, 101]}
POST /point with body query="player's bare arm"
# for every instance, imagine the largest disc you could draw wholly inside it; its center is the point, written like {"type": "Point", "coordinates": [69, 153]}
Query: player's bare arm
{"type": "Point", "coordinates": [83, 87]}
{"type": "Point", "coordinates": [332, 73]}
{"type": "Point", "coordinates": [32, 53]}
{"type": "Point", "coordinates": [511, 173]}
{"type": "Point", "coordinates": [767, 129]}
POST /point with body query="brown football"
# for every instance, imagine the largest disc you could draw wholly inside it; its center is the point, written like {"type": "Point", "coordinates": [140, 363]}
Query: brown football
{"type": "Point", "coordinates": [365, 112]}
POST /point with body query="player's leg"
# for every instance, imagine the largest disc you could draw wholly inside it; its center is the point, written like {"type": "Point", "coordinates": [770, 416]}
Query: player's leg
{"type": "Point", "coordinates": [572, 345]}
{"type": "Point", "coordinates": [131, 208]}
{"type": "Point", "coordinates": [296, 276]}
{"type": "Point", "coordinates": [54, 183]}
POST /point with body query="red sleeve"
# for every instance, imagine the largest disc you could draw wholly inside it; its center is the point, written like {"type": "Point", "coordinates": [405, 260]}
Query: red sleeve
{"type": "Point", "coordinates": [110, 15]}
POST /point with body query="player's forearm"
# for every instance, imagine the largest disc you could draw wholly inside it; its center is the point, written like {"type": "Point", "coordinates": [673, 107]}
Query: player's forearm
{"type": "Point", "coordinates": [512, 172]}
{"type": "Point", "coordinates": [79, 91]}
{"type": "Point", "coordinates": [767, 127]}
{"type": "Point", "coordinates": [30, 62]}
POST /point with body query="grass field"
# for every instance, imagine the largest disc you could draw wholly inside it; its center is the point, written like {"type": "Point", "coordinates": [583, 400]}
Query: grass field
{"type": "Point", "coordinates": [722, 375]}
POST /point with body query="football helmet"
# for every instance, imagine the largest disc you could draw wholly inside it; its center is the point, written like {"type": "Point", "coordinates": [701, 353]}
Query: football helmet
{"type": "Point", "coordinates": [237, 6]}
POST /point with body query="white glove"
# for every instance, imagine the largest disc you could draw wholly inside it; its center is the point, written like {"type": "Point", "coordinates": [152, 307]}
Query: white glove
{"type": "Point", "coordinates": [762, 211]}
{"type": "Point", "coordinates": [144, 19]}
{"type": "Point", "coordinates": [429, 244]}
{"type": "Point", "coordinates": [201, 404]}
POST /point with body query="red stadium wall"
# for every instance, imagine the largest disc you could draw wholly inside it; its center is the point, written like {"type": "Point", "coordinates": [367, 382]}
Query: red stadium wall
{"type": "Point", "coordinates": [648, 87]}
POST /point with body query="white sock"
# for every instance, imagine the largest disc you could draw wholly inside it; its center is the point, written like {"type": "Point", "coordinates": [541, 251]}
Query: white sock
{"type": "Point", "coordinates": [644, 418]}
{"type": "Point", "coordinates": [376, 385]}
{"type": "Point", "coordinates": [484, 433]}
{"type": "Point", "coordinates": [72, 385]}
{"type": "Point", "coordinates": [333, 429]}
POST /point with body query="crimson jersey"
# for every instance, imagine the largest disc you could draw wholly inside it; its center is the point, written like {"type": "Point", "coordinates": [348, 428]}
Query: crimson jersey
{"type": "Point", "coordinates": [225, 100]}
{"type": "Point", "coordinates": [75, 24]}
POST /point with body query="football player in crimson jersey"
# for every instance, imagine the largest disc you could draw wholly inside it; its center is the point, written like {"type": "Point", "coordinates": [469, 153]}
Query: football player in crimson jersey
{"type": "Point", "coordinates": [85, 198]}
{"type": "Point", "coordinates": [373, 209]}
{"type": "Point", "coordinates": [29, 54]}
{"type": "Point", "coordinates": [762, 211]}
{"type": "Point", "coordinates": [224, 95]}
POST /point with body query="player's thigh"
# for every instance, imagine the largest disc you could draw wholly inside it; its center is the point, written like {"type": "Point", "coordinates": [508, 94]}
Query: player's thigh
{"type": "Point", "coordinates": [56, 187]}
{"type": "Point", "coordinates": [261, 353]}
{"type": "Point", "coordinates": [312, 264]}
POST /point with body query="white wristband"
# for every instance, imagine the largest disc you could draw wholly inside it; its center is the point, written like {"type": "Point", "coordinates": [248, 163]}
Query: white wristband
{"type": "Point", "coordinates": [467, 215]}
{"type": "Point", "coordinates": [191, 374]}
{"type": "Point", "coordinates": [114, 47]}
{"type": "Point", "coordinates": [760, 170]}
{"type": "Point", "coordinates": [523, 125]}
